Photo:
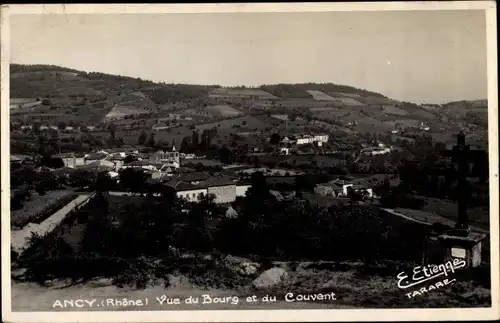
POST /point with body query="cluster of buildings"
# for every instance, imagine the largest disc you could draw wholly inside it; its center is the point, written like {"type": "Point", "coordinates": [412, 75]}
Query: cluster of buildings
{"type": "Point", "coordinates": [193, 186]}
{"type": "Point", "coordinates": [163, 167]}
{"type": "Point", "coordinates": [162, 162]}
{"type": "Point", "coordinates": [340, 188]}
{"type": "Point", "coordinates": [47, 128]}
{"type": "Point", "coordinates": [304, 139]}
{"type": "Point", "coordinates": [374, 151]}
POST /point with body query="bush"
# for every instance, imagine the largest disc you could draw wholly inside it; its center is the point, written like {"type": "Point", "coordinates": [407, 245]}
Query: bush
{"type": "Point", "coordinates": [392, 200]}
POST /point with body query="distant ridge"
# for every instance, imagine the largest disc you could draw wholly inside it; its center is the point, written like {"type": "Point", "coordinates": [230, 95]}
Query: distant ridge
{"type": "Point", "coordinates": [281, 90]}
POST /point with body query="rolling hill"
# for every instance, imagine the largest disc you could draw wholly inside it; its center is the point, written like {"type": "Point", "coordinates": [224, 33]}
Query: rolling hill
{"type": "Point", "coordinates": [90, 98]}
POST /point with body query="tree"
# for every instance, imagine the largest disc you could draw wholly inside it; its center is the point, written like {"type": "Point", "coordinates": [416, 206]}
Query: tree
{"type": "Point", "coordinates": [185, 145]}
{"type": "Point", "coordinates": [133, 179]}
{"type": "Point", "coordinates": [195, 139]}
{"type": "Point", "coordinates": [52, 162]}
{"type": "Point", "coordinates": [259, 188]}
{"type": "Point", "coordinates": [151, 141]}
{"type": "Point", "coordinates": [226, 155]}
{"type": "Point", "coordinates": [129, 159]}
{"type": "Point", "coordinates": [142, 137]}
{"type": "Point", "coordinates": [103, 182]}
{"type": "Point", "coordinates": [353, 196]}
{"type": "Point", "coordinates": [82, 178]}
{"type": "Point", "coordinates": [112, 130]}
{"type": "Point", "coordinates": [386, 186]}
{"type": "Point", "coordinates": [61, 125]}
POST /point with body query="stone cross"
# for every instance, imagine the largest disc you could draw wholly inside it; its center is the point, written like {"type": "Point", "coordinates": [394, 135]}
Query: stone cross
{"type": "Point", "coordinates": [462, 155]}
{"type": "Point", "coordinates": [460, 158]}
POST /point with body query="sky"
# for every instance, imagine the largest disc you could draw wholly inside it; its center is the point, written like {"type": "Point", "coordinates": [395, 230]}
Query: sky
{"type": "Point", "coordinates": [416, 56]}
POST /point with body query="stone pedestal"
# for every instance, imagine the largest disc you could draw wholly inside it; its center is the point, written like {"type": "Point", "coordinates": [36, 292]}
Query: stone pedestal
{"type": "Point", "coordinates": [463, 245]}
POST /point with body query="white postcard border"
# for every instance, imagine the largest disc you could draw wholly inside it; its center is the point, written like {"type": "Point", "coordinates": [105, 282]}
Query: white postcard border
{"type": "Point", "coordinates": [459, 314]}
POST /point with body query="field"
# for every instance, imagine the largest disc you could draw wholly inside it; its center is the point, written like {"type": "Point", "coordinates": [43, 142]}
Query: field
{"type": "Point", "coordinates": [389, 109]}
{"type": "Point", "coordinates": [16, 103]}
{"type": "Point", "coordinates": [223, 110]}
{"type": "Point", "coordinates": [301, 104]}
{"type": "Point", "coordinates": [320, 96]}
{"type": "Point", "coordinates": [349, 95]}
{"type": "Point", "coordinates": [478, 216]}
{"type": "Point", "coordinates": [240, 93]}
{"type": "Point", "coordinates": [346, 100]}
{"type": "Point", "coordinates": [375, 100]}
{"type": "Point", "coordinates": [121, 111]}
{"type": "Point", "coordinates": [245, 122]}
{"type": "Point", "coordinates": [37, 206]}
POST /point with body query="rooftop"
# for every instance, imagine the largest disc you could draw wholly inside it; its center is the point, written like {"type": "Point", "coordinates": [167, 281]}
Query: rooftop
{"type": "Point", "coordinates": [96, 156]}
{"type": "Point", "coordinates": [217, 181]}
{"type": "Point", "coordinates": [182, 186]}
{"type": "Point", "coordinates": [193, 176]}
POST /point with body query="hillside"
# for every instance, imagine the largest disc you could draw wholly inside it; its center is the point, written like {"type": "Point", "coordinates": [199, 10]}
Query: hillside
{"type": "Point", "coordinates": [53, 94]}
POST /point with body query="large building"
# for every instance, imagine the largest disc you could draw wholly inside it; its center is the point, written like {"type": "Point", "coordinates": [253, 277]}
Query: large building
{"type": "Point", "coordinates": [171, 158]}
{"type": "Point", "coordinates": [71, 160]}
{"type": "Point", "coordinates": [310, 139]}
{"type": "Point", "coordinates": [193, 188]}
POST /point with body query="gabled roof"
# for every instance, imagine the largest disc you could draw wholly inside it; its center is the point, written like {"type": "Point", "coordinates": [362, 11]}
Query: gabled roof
{"type": "Point", "coordinates": [65, 155]}
{"type": "Point", "coordinates": [217, 181]}
{"type": "Point", "coordinates": [141, 163]}
{"type": "Point", "coordinates": [63, 170]}
{"type": "Point", "coordinates": [193, 177]}
{"type": "Point", "coordinates": [182, 186]}
{"type": "Point", "coordinates": [184, 170]}
{"type": "Point", "coordinates": [95, 166]}
{"type": "Point", "coordinates": [96, 156]}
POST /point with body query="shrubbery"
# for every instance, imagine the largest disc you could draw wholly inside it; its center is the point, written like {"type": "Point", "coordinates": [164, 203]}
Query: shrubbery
{"type": "Point", "coordinates": [265, 227]}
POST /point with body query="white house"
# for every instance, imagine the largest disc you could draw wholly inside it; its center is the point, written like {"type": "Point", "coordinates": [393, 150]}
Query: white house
{"type": "Point", "coordinates": [308, 139]}
{"type": "Point", "coordinates": [71, 160]}
{"type": "Point", "coordinates": [242, 188]}
{"type": "Point", "coordinates": [284, 151]}
{"type": "Point", "coordinates": [321, 138]}
{"type": "Point", "coordinates": [304, 140]}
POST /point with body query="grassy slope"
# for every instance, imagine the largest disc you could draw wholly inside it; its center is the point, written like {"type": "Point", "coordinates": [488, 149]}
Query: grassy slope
{"type": "Point", "coordinates": [88, 97]}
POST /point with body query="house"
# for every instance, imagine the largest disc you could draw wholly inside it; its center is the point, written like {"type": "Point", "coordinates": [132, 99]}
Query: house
{"type": "Point", "coordinates": [242, 188]}
{"type": "Point", "coordinates": [142, 164]}
{"type": "Point", "coordinates": [222, 187]}
{"type": "Point", "coordinates": [193, 178]}
{"type": "Point", "coordinates": [117, 160]}
{"type": "Point", "coordinates": [321, 138]}
{"type": "Point", "coordinates": [423, 126]}
{"type": "Point", "coordinates": [310, 139]}
{"type": "Point", "coordinates": [98, 166]}
{"type": "Point", "coordinates": [284, 151]}
{"type": "Point", "coordinates": [93, 157]}
{"type": "Point", "coordinates": [190, 192]}
{"type": "Point", "coordinates": [71, 160]}
{"type": "Point", "coordinates": [184, 170]}
{"type": "Point", "coordinates": [329, 189]}
{"type": "Point", "coordinates": [170, 157]}
{"type": "Point", "coordinates": [304, 140]}
{"type": "Point", "coordinates": [15, 160]}
{"type": "Point", "coordinates": [373, 151]}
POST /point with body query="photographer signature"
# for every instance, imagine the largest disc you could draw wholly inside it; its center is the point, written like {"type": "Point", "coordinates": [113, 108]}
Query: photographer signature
{"type": "Point", "coordinates": [422, 274]}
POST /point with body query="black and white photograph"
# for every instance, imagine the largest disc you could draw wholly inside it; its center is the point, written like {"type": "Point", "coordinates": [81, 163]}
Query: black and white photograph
{"type": "Point", "coordinates": [220, 162]}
